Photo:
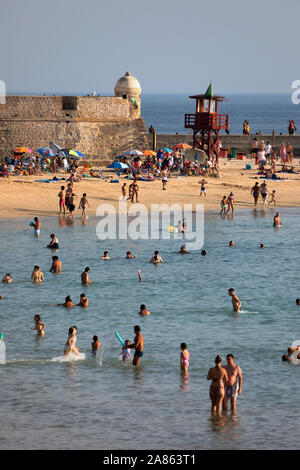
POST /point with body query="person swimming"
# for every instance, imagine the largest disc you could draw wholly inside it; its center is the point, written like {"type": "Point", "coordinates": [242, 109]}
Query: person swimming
{"type": "Point", "coordinates": [156, 259]}
{"type": "Point", "coordinates": [129, 255]}
{"type": "Point", "coordinates": [68, 303]}
{"type": "Point", "coordinates": [83, 302]}
{"type": "Point", "coordinates": [105, 255]}
{"type": "Point", "coordinates": [7, 279]}
{"type": "Point", "coordinates": [183, 250]}
{"type": "Point", "coordinates": [143, 311]}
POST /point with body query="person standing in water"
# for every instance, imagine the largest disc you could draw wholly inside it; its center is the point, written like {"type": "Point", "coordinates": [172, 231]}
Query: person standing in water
{"type": "Point", "coordinates": [39, 326]}
{"type": "Point", "coordinates": [36, 227]}
{"type": "Point", "coordinates": [138, 345]}
{"type": "Point", "coordinates": [70, 346]}
{"type": "Point", "coordinates": [156, 259]}
{"type": "Point", "coordinates": [85, 278]}
{"type": "Point", "coordinates": [230, 203]}
{"type": "Point", "coordinates": [56, 265]}
{"type": "Point", "coordinates": [83, 203]}
{"type": "Point", "coordinates": [276, 220]}
{"type": "Point", "coordinates": [218, 376]}
{"type": "Point", "coordinates": [37, 275]}
{"type": "Point", "coordinates": [184, 360]}
{"type": "Point", "coordinates": [236, 303]}
{"type": "Point", "coordinates": [233, 387]}
{"type": "Point", "coordinates": [143, 311]}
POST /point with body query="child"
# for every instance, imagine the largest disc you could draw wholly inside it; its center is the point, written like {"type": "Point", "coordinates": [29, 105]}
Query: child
{"type": "Point", "coordinates": [126, 354]}
{"type": "Point", "coordinates": [95, 344]}
{"type": "Point", "coordinates": [273, 195]}
{"type": "Point", "coordinates": [184, 360]}
{"type": "Point", "coordinates": [124, 188]}
{"type": "Point", "coordinates": [83, 203]}
{"type": "Point", "coordinates": [223, 205]}
{"type": "Point", "coordinates": [39, 326]}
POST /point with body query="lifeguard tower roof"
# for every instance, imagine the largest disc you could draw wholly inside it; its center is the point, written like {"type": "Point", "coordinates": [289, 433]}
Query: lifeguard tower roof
{"type": "Point", "coordinates": [204, 96]}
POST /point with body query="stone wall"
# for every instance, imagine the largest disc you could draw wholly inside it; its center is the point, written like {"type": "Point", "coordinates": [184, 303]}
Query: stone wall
{"type": "Point", "coordinates": [99, 127]}
{"type": "Point", "coordinates": [241, 142]}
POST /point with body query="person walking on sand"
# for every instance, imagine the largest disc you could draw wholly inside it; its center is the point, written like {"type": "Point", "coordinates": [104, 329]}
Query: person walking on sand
{"type": "Point", "coordinates": [223, 205]}
{"type": "Point", "coordinates": [264, 193]}
{"type": "Point", "coordinates": [124, 191]}
{"type": "Point", "coordinates": [138, 345]}
{"type": "Point", "coordinates": [203, 187]}
{"type": "Point", "coordinates": [82, 205]}
{"type": "Point", "coordinates": [71, 204]}
{"type": "Point", "coordinates": [255, 191]}
{"type": "Point", "coordinates": [233, 386]}
{"type": "Point", "coordinates": [218, 376]}
{"type": "Point", "coordinates": [236, 303]}
{"type": "Point", "coordinates": [273, 198]}
{"type": "Point", "coordinates": [135, 191]}
{"type": "Point", "coordinates": [283, 156]}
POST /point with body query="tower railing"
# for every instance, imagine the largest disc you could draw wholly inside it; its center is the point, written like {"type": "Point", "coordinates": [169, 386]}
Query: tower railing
{"type": "Point", "coordinates": [206, 121]}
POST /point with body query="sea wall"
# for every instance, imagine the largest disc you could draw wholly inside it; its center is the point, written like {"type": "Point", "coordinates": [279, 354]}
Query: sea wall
{"type": "Point", "coordinates": [99, 127]}
{"type": "Point", "coordinates": [241, 142]}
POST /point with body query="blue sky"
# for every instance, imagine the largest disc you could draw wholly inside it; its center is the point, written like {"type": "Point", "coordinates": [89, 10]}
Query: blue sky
{"type": "Point", "coordinates": [171, 46]}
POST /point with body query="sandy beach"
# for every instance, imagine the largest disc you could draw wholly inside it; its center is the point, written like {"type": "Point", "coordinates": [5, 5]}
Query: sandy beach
{"type": "Point", "coordinates": [22, 196]}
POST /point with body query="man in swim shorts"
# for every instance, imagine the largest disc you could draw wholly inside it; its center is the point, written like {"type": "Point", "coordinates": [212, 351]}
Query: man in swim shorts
{"type": "Point", "coordinates": [85, 278]}
{"type": "Point", "coordinates": [138, 345]}
{"type": "Point", "coordinates": [233, 387]}
{"type": "Point", "coordinates": [36, 227]}
{"type": "Point", "coordinates": [56, 265]}
{"type": "Point", "coordinates": [236, 303]}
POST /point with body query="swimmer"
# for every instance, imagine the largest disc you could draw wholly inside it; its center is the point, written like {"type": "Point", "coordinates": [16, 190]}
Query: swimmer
{"type": "Point", "coordinates": [129, 255]}
{"type": "Point", "coordinates": [95, 344]}
{"type": "Point", "coordinates": [68, 303]}
{"type": "Point", "coordinates": [233, 387]}
{"type": "Point", "coordinates": [126, 353]}
{"type": "Point", "coordinates": [156, 259]}
{"type": "Point", "coordinates": [105, 255]}
{"type": "Point", "coordinates": [83, 203]}
{"type": "Point", "coordinates": [85, 278]}
{"type": "Point", "coordinates": [231, 243]}
{"type": "Point", "coordinates": [37, 275]}
{"type": "Point", "coordinates": [56, 265]}
{"type": "Point", "coordinates": [143, 311]}
{"type": "Point", "coordinates": [54, 243]}
{"type": "Point", "coordinates": [70, 346]}
{"type": "Point", "coordinates": [276, 220]}
{"type": "Point", "coordinates": [236, 303]}
{"type": "Point", "coordinates": [36, 227]}
{"type": "Point", "coordinates": [203, 253]}
{"type": "Point", "coordinates": [83, 302]}
{"type": "Point", "coordinates": [138, 345]}
{"type": "Point", "coordinates": [261, 245]}
{"type": "Point", "coordinates": [7, 279]}
{"type": "Point", "coordinates": [217, 375]}
{"type": "Point", "coordinates": [183, 251]}
{"type": "Point", "coordinates": [297, 301]}
{"type": "Point", "coordinates": [184, 360]}
{"type": "Point", "coordinates": [39, 326]}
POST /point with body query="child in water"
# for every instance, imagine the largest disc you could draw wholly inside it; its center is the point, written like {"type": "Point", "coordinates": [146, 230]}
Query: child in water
{"type": "Point", "coordinates": [126, 353]}
{"type": "Point", "coordinates": [184, 360]}
{"type": "Point", "coordinates": [95, 344]}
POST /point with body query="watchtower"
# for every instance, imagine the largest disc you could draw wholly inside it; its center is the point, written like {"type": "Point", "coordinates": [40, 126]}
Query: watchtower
{"type": "Point", "coordinates": [207, 123]}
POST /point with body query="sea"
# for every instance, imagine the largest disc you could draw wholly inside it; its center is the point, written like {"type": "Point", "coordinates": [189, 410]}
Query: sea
{"type": "Point", "coordinates": [265, 112]}
{"type": "Point", "coordinates": [50, 402]}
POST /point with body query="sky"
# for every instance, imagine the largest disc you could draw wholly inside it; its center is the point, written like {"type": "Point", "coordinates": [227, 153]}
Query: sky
{"type": "Point", "coordinates": [170, 46]}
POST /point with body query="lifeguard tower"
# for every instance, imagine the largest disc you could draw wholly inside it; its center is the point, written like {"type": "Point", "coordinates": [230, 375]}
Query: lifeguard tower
{"type": "Point", "coordinates": [207, 123]}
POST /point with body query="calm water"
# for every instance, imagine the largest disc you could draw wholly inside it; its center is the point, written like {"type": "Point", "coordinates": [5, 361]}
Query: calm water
{"type": "Point", "coordinates": [49, 403]}
{"type": "Point", "coordinates": [264, 112]}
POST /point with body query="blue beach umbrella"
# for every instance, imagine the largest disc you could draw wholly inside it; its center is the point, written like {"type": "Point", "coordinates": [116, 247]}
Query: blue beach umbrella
{"type": "Point", "coordinates": [46, 152]}
{"type": "Point", "coordinates": [118, 165]}
{"type": "Point", "coordinates": [73, 153]}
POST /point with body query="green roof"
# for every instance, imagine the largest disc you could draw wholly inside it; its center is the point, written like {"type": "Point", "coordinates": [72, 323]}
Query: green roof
{"type": "Point", "coordinates": [209, 91]}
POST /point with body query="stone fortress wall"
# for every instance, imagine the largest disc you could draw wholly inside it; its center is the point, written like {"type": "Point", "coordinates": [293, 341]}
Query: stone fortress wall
{"type": "Point", "coordinates": [100, 127]}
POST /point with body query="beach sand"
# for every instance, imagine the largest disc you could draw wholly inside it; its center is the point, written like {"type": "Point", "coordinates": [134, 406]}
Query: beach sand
{"type": "Point", "coordinates": [23, 197]}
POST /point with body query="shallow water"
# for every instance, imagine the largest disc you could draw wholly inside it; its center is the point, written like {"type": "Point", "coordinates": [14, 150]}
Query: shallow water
{"type": "Point", "coordinates": [48, 402]}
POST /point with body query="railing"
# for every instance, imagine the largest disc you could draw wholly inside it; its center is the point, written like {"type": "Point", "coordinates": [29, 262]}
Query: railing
{"type": "Point", "coordinates": [206, 121]}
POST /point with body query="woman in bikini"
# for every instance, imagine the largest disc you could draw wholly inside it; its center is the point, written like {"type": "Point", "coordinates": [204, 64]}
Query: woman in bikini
{"type": "Point", "coordinates": [70, 346]}
{"type": "Point", "coordinates": [39, 326]}
{"type": "Point", "coordinates": [216, 392]}
{"type": "Point", "coordinates": [230, 203]}
{"type": "Point", "coordinates": [184, 360]}
{"type": "Point", "coordinates": [256, 192]}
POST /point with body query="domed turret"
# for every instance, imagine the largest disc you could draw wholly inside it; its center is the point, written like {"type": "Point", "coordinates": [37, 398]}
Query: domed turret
{"type": "Point", "coordinates": [128, 87]}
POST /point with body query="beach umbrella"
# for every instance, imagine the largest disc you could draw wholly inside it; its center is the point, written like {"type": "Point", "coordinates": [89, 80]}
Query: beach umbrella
{"type": "Point", "coordinates": [46, 152]}
{"type": "Point", "coordinates": [149, 153]}
{"type": "Point", "coordinates": [135, 152]}
{"type": "Point", "coordinates": [72, 153]}
{"type": "Point", "coordinates": [22, 150]}
{"type": "Point", "coordinates": [166, 149]}
{"type": "Point", "coordinates": [118, 165]}
{"type": "Point", "coordinates": [56, 148]}
{"type": "Point", "coordinates": [181, 146]}
{"type": "Point", "coordinates": [197, 155]}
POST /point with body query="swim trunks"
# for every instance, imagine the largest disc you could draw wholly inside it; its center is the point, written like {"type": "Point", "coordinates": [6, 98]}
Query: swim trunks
{"type": "Point", "coordinates": [232, 391]}
{"type": "Point", "coordinates": [36, 232]}
{"type": "Point", "coordinates": [139, 354]}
